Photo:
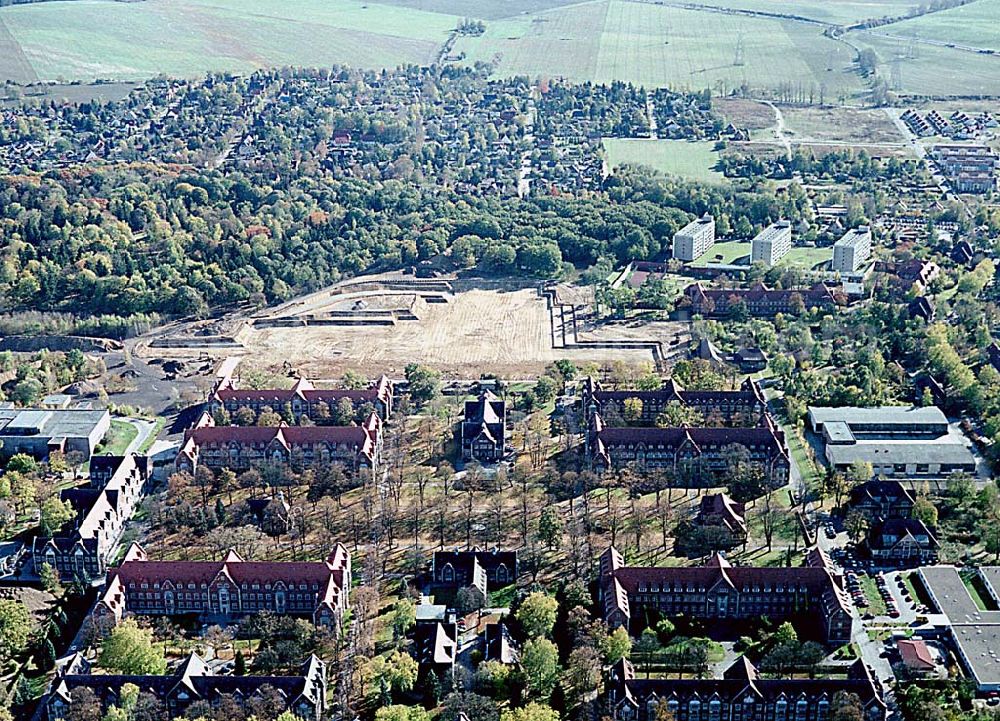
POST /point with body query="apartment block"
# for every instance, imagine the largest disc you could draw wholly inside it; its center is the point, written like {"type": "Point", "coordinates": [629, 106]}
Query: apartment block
{"type": "Point", "coordinates": [853, 250]}
{"type": "Point", "coordinates": [694, 239]}
{"type": "Point", "coordinates": [771, 244]}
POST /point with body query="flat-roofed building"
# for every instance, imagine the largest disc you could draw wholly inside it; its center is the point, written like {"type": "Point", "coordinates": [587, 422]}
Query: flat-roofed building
{"type": "Point", "coordinates": [975, 632]}
{"type": "Point", "coordinates": [39, 431]}
{"type": "Point", "coordinates": [898, 441]}
{"type": "Point", "coordinates": [771, 244]}
{"type": "Point", "coordinates": [694, 239]}
{"type": "Point", "coordinates": [853, 250]}
{"type": "Point", "coordinates": [880, 422]}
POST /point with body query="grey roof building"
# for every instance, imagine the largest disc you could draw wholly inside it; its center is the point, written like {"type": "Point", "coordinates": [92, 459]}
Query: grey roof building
{"type": "Point", "coordinates": [898, 441]}
{"type": "Point", "coordinates": [975, 632]}
{"type": "Point", "coordinates": [39, 431]}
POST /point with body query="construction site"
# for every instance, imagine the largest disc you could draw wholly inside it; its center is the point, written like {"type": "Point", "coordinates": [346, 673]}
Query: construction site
{"type": "Point", "coordinates": [461, 327]}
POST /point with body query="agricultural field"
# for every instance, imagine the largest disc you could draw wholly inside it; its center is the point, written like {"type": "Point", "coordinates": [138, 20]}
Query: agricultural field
{"type": "Point", "coordinates": [655, 45]}
{"type": "Point", "coordinates": [659, 45]}
{"type": "Point", "coordinates": [934, 70]}
{"type": "Point", "coordinates": [559, 43]}
{"type": "Point", "coordinates": [972, 25]}
{"type": "Point", "coordinates": [14, 65]}
{"type": "Point", "coordinates": [482, 9]}
{"type": "Point", "coordinates": [690, 160]}
{"type": "Point", "coordinates": [838, 12]}
{"type": "Point", "coordinates": [90, 39]}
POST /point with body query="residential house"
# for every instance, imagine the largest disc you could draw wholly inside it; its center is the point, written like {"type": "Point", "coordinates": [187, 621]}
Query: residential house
{"type": "Point", "coordinates": [760, 301]}
{"type": "Point", "coordinates": [302, 399]}
{"type": "Point", "coordinates": [883, 499]}
{"type": "Point", "coordinates": [456, 569]}
{"type": "Point", "coordinates": [718, 509]}
{"type": "Point", "coordinates": [694, 457]}
{"type": "Point", "coordinates": [744, 407]}
{"type": "Point", "coordinates": [903, 542]}
{"type": "Point", "coordinates": [357, 448]}
{"type": "Point", "coordinates": [484, 429]}
{"type": "Point", "coordinates": [84, 546]}
{"type": "Point", "coordinates": [916, 656]}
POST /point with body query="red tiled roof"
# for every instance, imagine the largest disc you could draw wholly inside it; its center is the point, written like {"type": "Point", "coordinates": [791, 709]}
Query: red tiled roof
{"type": "Point", "coordinates": [915, 653]}
{"type": "Point", "coordinates": [240, 571]}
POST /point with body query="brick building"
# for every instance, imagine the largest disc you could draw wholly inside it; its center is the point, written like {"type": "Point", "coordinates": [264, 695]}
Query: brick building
{"type": "Point", "coordinates": [760, 301]}
{"type": "Point", "coordinates": [745, 407]}
{"type": "Point", "coordinates": [229, 589]}
{"type": "Point", "coordinates": [357, 448]}
{"type": "Point", "coordinates": [303, 694]}
{"type": "Point", "coordinates": [722, 591]}
{"type": "Point", "coordinates": [741, 693]}
{"type": "Point", "coordinates": [304, 399]}
{"type": "Point", "coordinates": [82, 548]}
{"type": "Point", "coordinates": [484, 429]}
{"type": "Point", "coordinates": [696, 456]}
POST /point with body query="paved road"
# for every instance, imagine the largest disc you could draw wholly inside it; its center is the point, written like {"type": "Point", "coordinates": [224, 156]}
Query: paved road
{"type": "Point", "coordinates": [145, 430]}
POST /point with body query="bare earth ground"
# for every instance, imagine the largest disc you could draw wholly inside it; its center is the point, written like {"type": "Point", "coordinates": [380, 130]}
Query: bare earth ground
{"type": "Point", "coordinates": [749, 114]}
{"type": "Point", "coordinates": [477, 331]}
{"type": "Point", "coordinates": [841, 125]}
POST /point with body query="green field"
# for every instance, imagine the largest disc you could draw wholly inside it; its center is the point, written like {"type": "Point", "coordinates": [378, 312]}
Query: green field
{"type": "Point", "coordinates": [974, 24]}
{"type": "Point", "coordinates": [90, 39]}
{"type": "Point", "coordinates": [829, 11]}
{"type": "Point", "coordinates": [935, 70]}
{"type": "Point", "coordinates": [727, 253]}
{"type": "Point", "coordinates": [692, 160]}
{"type": "Point", "coordinates": [593, 40]}
{"type": "Point", "coordinates": [738, 252]}
{"type": "Point", "coordinates": [807, 258]}
{"type": "Point", "coordinates": [656, 45]}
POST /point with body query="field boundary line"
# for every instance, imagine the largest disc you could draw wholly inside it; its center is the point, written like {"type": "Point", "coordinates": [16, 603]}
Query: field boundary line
{"type": "Point", "coordinates": [20, 58]}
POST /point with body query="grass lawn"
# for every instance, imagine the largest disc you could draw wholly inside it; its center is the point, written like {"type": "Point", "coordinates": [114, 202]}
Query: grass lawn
{"type": "Point", "coordinates": [504, 597]}
{"type": "Point", "coordinates": [726, 253]}
{"type": "Point", "coordinates": [118, 438]}
{"type": "Point", "coordinates": [796, 447]}
{"type": "Point", "coordinates": [916, 589]}
{"type": "Point", "coordinates": [160, 423]}
{"type": "Point", "coordinates": [876, 605]}
{"type": "Point", "coordinates": [807, 258]}
{"type": "Point", "coordinates": [687, 159]}
{"type": "Point", "coordinates": [979, 594]}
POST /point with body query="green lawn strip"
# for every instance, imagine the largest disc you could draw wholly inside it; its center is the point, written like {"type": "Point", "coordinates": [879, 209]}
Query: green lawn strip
{"type": "Point", "coordinates": [916, 589]}
{"type": "Point", "coordinates": [148, 443]}
{"type": "Point", "coordinates": [876, 606]}
{"type": "Point", "coordinates": [118, 438]}
{"type": "Point", "coordinates": [973, 583]}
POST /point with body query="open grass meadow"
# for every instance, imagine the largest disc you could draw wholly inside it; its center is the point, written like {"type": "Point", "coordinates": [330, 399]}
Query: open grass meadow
{"type": "Point", "coordinates": [91, 39]}
{"type": "Point", "coordinates": [691, 160]}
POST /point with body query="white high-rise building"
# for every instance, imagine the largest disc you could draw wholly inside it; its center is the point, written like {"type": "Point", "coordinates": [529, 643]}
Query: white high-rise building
{"type": "Point", "coordinates": [851, 252]}
{"type": "Point", "coordinates": [772, 244]}
{"type": "Point", "coordinates": [694, 239]}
